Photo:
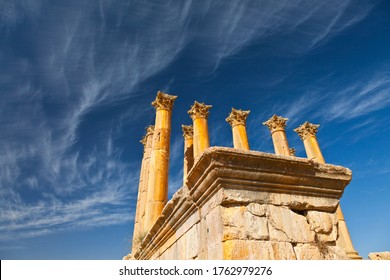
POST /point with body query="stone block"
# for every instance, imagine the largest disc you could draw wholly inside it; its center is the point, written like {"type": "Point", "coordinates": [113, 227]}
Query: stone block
{"type": "Point", "coordinates": [262, 250]}
{"type": "Point", "coordinates": [257, 209]}
{"type": "Point", "coordinates": [286, 224]}
{"type": "Point", "coordinates": [324, 224]}
{"type": "Point", "coordinates": [308, 252]}
{"type": "Point", "coordinates": [192, 242]}
{"type": "Point", "coordinates": [214, 227]}
{"type": "Point", "coordinates": [379, 256]}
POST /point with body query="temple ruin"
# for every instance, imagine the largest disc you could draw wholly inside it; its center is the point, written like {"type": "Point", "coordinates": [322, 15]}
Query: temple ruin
{"type": "Point", "coordinates": [236, 203]}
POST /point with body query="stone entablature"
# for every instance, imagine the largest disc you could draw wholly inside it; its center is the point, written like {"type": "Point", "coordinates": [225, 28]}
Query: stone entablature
{"type": "Point", "coordinates": [251, 205]}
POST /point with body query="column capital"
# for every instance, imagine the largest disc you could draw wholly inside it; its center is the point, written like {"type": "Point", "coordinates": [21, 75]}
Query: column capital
{"type": "Point", "coordinates": [199, 110]}
{"type": "Point", "coordinates": [163, 101]}
{"type": "Point", "coordinates": [293, 152]}
{"type": "Point", "coordinates": [188, 131]}
{"type": "Point", "coordinates": [149, 131]}
{"type": "Point", "coordinates": [276, 123]}
{"type": "Point", "coordinates": [306, 130]}
{"type": "Point", "coordinates": [237, 117]}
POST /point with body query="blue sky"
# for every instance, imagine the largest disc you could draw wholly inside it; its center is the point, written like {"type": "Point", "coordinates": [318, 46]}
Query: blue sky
{"type": "Point", "coordinates": [77, 79]}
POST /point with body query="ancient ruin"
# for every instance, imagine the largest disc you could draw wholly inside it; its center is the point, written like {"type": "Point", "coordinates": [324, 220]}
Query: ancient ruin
{"type": "Point", "coordinates": [236, 203]}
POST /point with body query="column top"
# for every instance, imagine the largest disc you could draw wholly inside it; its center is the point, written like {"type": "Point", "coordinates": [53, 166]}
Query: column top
{"type": "Point", "coordinates": [237, 117]}
{"type": "Point", "coordinates": [293, 152]}
{"type": "Point", "coordinates": [199, 110]}
{"type": "Point", "coordinates": [149, 131]}
{"type": "Point", "coordinates": [163, 101]}
{"type": "Point", "coordinates": [276, 123]}
{"type": "Point", "coordinates": [188, 131]}
{"type": "Point", "coordinates": [306, 130]}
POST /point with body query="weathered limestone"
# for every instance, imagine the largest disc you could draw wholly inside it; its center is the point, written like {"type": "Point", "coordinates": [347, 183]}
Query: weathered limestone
{"type": "Point", "coordinates": [157, 193]}
{"type": "Point", "coordinates": [237, 120]}
{"type": "Point", "coordinates": [307, 132]}
{"type": "Point", "coordinates": [276, 125]}
{"type": "Point", "coordinates": [188, 134]}
{"type": "Point", "coordinates": [250, 205]}
{"type": "Point", "coordinates": [139, 231]}
{"type": "Point", "coordinates": [199, 113]}
{"type": "Point", "coordinates": [379, 256]}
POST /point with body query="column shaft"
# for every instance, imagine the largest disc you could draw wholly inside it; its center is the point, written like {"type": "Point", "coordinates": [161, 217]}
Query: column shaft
{"type": "Point", "coordinates": [188, 133]}
{"type": "Point", "coordinates": [240, 138]}
{"type": "Point", "coordinates": [307, 132]}
{"type": "Point", "coordinates": [280, 143]}
{"type": "Point", "coordinates": [157, 193]}
{"type": "Point", "coordinates": [201, 136]}
{"type": "Point", "coordinates": [312, 149]}
{"type": "Point", "coordinates": [237, 120]}
{"type": "Point", "coordinates": [276, 125]}
{"type": "Point", "coordinates": [139, 233]}
{"type": "Point", "coordinates": [199, 113]}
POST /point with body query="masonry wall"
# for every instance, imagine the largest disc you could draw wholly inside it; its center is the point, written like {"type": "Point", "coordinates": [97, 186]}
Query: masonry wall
{"type": "Point", "coordinates": [251, 205]}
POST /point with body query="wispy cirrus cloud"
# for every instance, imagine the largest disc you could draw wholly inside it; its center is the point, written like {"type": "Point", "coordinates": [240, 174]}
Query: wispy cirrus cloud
{"type": "Point", "coordinates": [69, 61]}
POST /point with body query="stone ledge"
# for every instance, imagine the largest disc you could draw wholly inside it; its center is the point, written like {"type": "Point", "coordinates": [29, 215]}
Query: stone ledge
{"type": "Point", "coordinates": [244, 177]}
{"type": "Point", "coordinates": [260, 171]}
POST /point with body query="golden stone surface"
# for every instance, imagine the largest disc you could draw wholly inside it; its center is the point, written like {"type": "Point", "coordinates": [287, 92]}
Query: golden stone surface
{"type": "Point", "coordinates": [164, 101]}
{"type": "Point", "coordinates": [244, 205]}
{"type": "Point", "coordinates": [157, 189]}
{"type": "Point", "coordinates": [276, 123]}
{"type": "Point", "coordinates": [307, 129]}
{"type": "Point", "coordinates": [237, 117]}
{"type": "Point", "coordinates": [199, 110]}
{"type": "Point", "coordinates": [188, 131]}
{"type": "Point", "coordinates": [237, 120]}
{"type": "Point", "coordinates": [188, 134]}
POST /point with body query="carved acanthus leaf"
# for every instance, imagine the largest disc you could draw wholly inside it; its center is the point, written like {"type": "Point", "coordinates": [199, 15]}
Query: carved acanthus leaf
{"type": "Point", "coordinates": [237, 117]}
{"type": "Point", "coordinates": [164, 101]}
{"type": "Point", "coordinates": [307, 129]}
{"type": "Point", "coordinates": [188, 131]}
{"type": "Point", "coordinates": [199, 110]}
{"type": "Point", "coordinates": [276, 123]}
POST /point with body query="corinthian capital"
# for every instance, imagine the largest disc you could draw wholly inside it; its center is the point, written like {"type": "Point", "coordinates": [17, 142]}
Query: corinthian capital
{"type": "Point", "coordinates": [307, 129]}
{"type": "Point", "coordinates": [199, 110]}
{"type": "Point", "coordinates": [188, 131]}
{"type": "Point", "coordinates": [163, 101]}
{"type": "Point", "coordinates": [149, 131]}
{"type": "Point", "coordinates": [237, 117]}
{"type": "Point", "coordinates": [276, 123]}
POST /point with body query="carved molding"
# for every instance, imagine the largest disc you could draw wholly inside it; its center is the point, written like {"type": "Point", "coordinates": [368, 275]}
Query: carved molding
{"type": "Point", "coordinates": [199, 110]}
{"type": "Point", "coordinates": [188, 131]}
{"type": "Point", "coordinates": [237, 117]}
{"type": "Point", "coordinates": [307, 129]}
{"type": "Point", "coordinates": [163, 101]}
{"type": "Point", "coordinates": [276, 123]}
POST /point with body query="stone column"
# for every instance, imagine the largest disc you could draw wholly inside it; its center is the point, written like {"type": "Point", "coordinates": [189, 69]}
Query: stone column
{"type": "Point", "coordinates": [188, 134]}
{"type": "Point", "coordinates": [276, 125]}
{"type": "Point", "coordinates": [157, 193]}
{"type": "Point", "coordinates": [199, 113]}
{"type": "Point", "coordinates": [237, 120]}
{"type": "Point", "coordinates": [142, 189]}
{"type": "Point", "coordinates": [307, 132]}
